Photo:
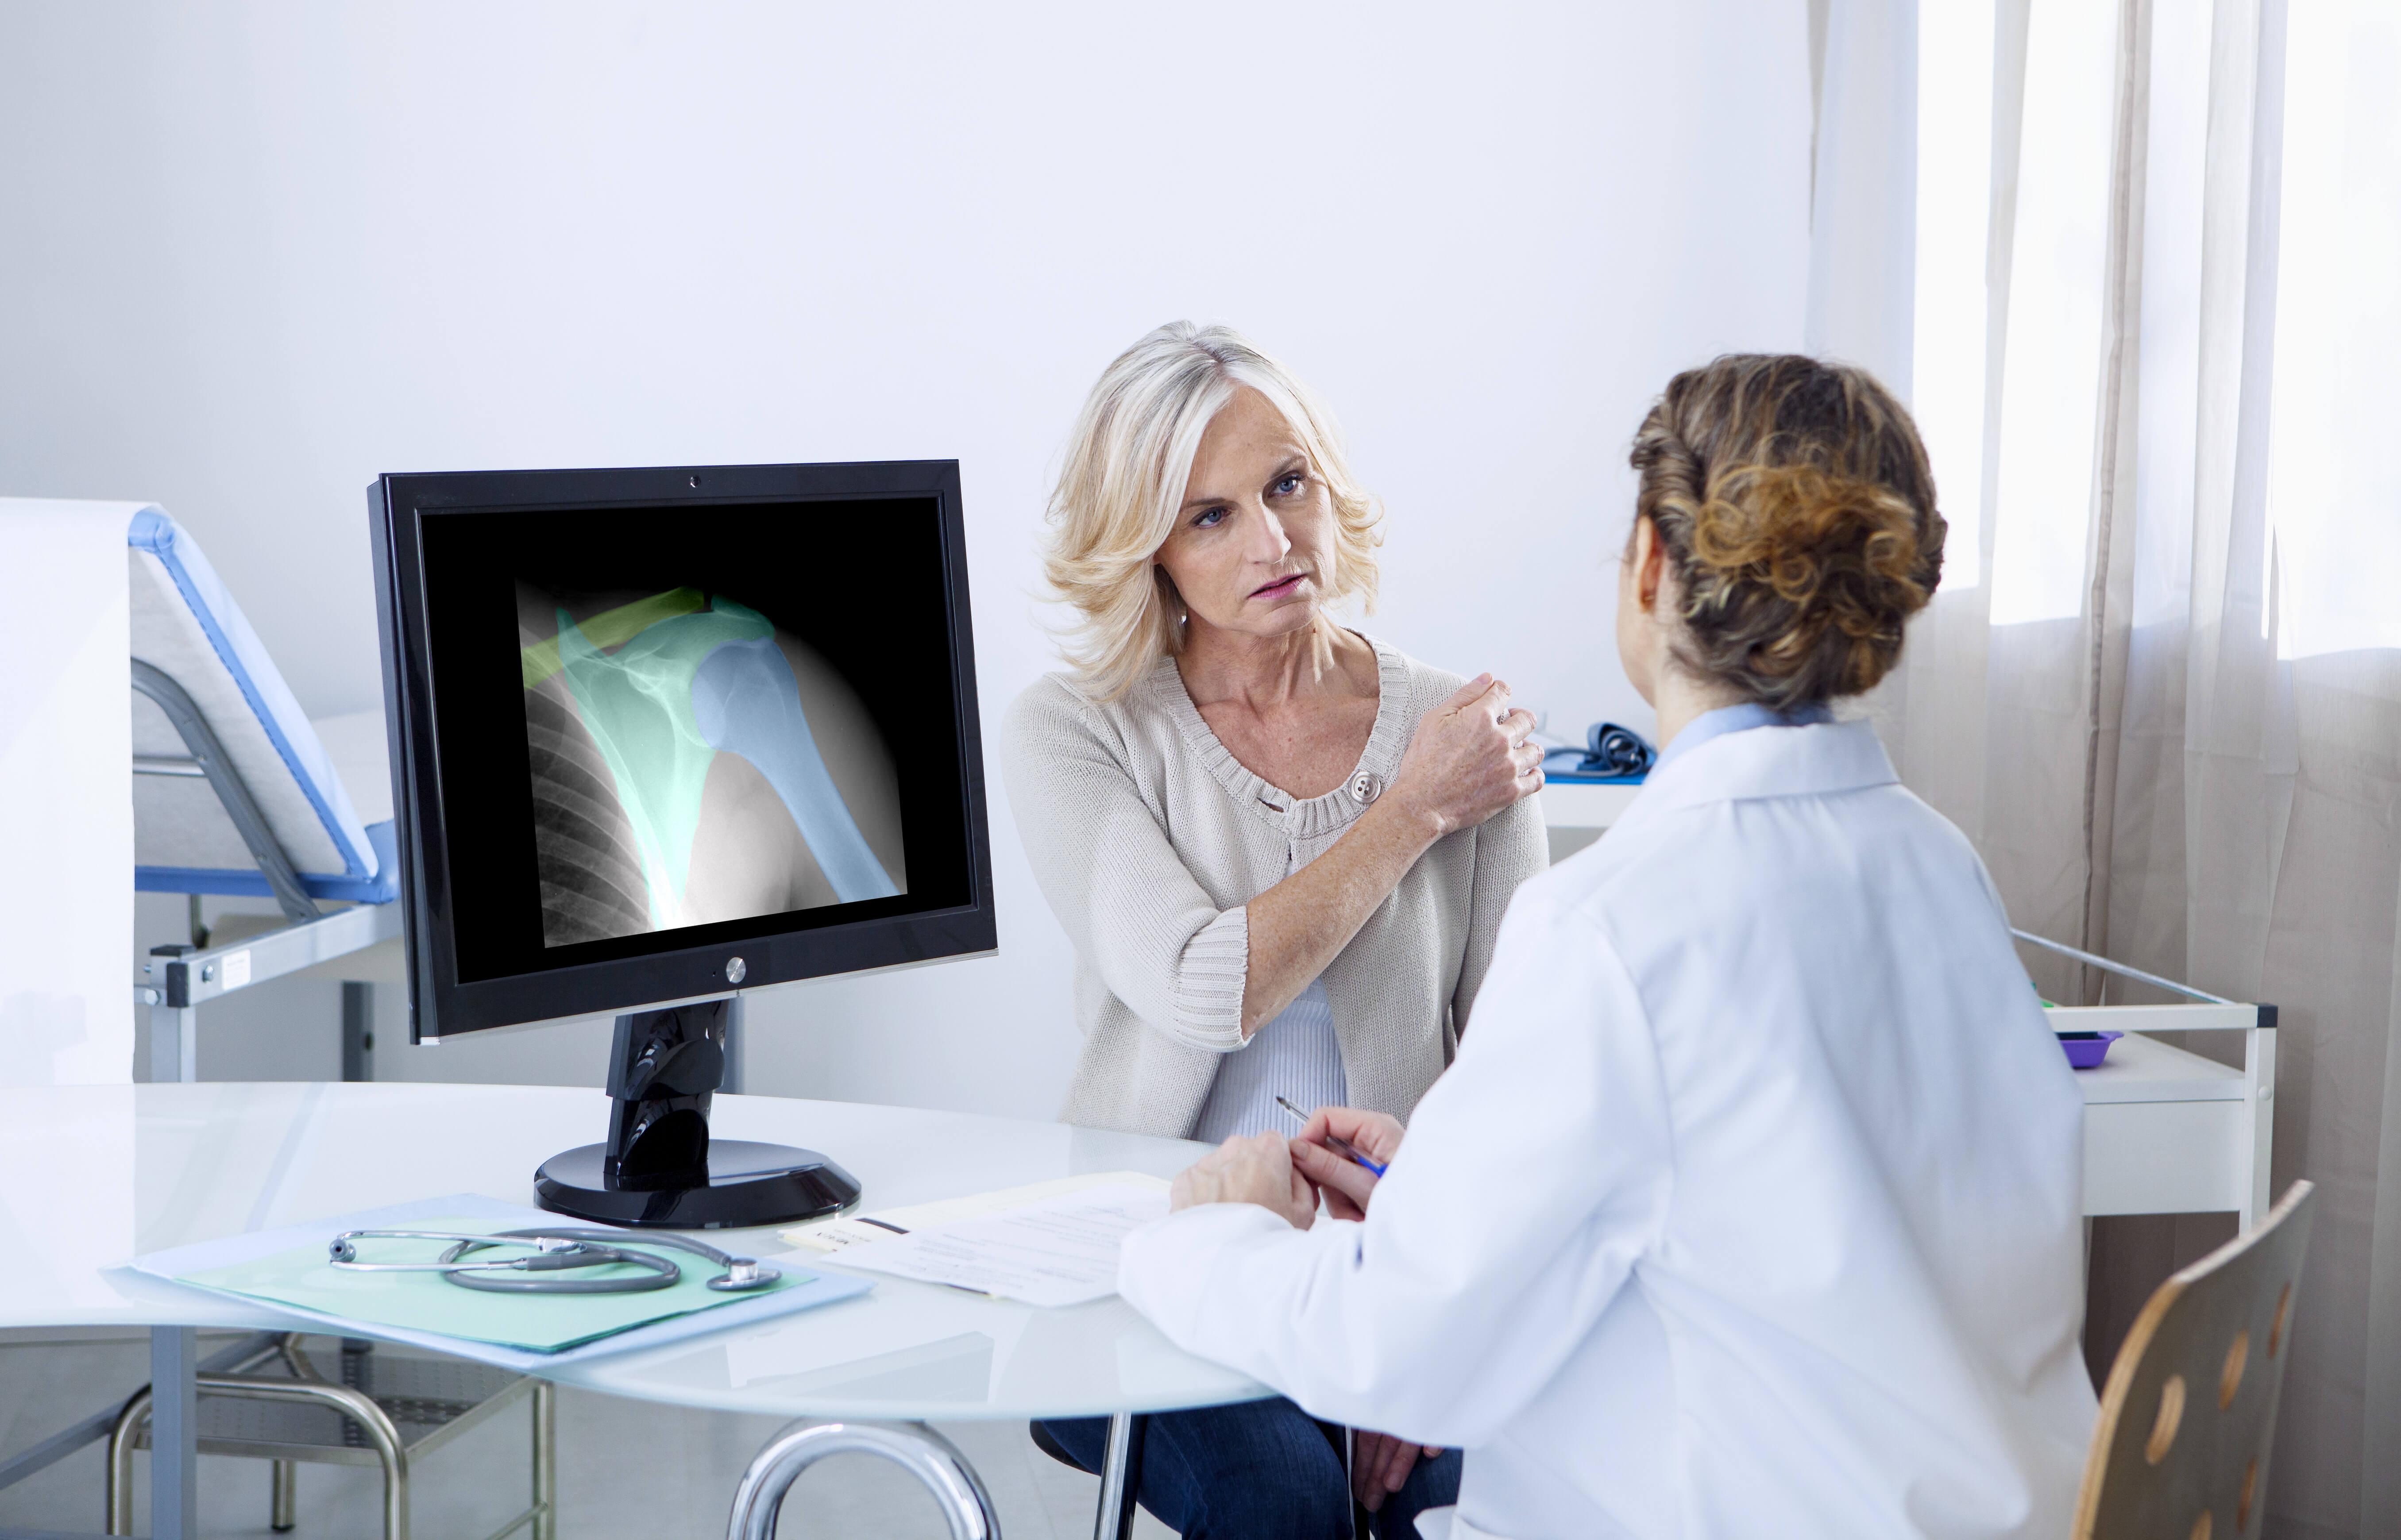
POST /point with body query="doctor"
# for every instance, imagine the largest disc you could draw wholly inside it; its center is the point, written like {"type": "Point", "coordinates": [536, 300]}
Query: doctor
{"type": "Point", "coordinates": [1750, 1205]}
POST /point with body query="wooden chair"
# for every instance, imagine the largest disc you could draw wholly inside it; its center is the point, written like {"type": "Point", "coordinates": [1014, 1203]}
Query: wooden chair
{"type": "Point", "coordinates": [2181, 1449]}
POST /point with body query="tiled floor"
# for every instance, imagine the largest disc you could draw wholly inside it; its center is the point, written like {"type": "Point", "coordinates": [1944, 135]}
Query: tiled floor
{"type": "Point", "coordinates": [625, 1469]}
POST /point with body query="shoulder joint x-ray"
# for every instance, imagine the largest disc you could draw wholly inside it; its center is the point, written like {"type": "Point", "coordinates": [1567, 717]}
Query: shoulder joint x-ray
{"type": "Point", "coordinates": [692, 762]}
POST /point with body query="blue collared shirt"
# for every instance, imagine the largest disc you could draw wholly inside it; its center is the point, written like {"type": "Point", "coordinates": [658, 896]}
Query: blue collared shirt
{"type": "Point", "coordinates": [1725, 719]}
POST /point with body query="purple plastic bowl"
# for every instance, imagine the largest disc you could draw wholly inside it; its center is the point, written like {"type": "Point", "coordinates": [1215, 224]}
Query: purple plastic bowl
{"type": "Point", "coordinates": [2086, 1050]}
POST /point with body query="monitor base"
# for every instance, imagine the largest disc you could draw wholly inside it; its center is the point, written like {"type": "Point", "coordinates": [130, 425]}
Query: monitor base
{"type": "Point", "coordinates": [748, 1184]}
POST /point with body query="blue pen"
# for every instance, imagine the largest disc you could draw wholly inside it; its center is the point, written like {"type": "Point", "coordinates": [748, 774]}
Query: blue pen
{"type": "Point", "coordinates": [1334, 1142]}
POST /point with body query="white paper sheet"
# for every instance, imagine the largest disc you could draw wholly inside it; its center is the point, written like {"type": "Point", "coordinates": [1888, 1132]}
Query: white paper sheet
{"type": "Point", "coordinates": [838, 1235]}
{"type": "Point", "coordinates": [1059, 1251]}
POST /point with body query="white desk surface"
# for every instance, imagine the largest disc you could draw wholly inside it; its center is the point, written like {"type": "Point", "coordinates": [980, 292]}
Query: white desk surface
{"type": "Point", "coordinates": [106, 1173]}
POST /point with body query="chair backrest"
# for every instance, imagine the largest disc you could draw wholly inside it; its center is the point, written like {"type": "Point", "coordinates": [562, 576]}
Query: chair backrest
{"type": "Point", "coordinates": [2181, 1449]}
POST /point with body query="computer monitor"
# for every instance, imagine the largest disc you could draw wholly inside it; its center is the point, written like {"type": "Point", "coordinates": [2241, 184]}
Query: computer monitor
{"type": "Point", "coordinates": [662, 735]}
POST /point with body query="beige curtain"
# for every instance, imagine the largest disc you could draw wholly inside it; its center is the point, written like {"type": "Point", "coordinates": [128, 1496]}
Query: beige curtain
{"type": "Point", "coordinates": [2162, 688]}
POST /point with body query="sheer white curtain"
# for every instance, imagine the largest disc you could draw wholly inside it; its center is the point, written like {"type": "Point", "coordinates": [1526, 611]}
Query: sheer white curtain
{"type": "Point", "coordinates": [2152, 254]}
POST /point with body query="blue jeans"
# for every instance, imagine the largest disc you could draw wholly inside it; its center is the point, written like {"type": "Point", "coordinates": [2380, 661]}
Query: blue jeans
{"type": "Point", "coordinates": [1261, 1470]}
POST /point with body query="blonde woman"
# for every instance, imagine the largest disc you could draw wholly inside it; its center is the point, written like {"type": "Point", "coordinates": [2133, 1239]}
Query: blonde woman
{"type": "Point", "coordinates": [1281, 848]}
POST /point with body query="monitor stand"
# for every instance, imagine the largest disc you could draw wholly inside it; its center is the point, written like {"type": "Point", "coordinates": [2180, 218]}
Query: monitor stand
{"type": "Point", "coordinates": [660, 1167]}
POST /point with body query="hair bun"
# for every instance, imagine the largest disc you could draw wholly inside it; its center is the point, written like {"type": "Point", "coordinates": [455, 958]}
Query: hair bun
{"type": "Point", "coordinates": [1807, 532]}
{"type": "Point", "coordinates": [1796, 507]}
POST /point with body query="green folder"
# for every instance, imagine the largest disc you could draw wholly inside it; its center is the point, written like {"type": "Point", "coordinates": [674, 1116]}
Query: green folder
{"type": "Point", "coordinates": [426, 1301]}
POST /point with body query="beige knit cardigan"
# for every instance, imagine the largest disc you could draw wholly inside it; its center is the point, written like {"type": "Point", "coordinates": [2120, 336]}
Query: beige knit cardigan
{"type": "Point", "coordinates": [1148, 837]}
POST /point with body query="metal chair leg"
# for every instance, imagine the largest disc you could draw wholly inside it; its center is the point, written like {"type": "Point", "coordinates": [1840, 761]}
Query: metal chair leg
{"type": "Point", "coordinates": [283, 1495]}
{"type": "Point", "coordinates": [1120, 1477]}
{"type": "Point", "coordinates": [545, 1460]}
{"type": "Point", "coordinates": [932, 1459]}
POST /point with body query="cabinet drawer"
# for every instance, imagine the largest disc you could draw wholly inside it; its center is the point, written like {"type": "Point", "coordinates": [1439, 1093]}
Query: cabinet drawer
{"type": "Point", "coordinates": [2164, 1157]}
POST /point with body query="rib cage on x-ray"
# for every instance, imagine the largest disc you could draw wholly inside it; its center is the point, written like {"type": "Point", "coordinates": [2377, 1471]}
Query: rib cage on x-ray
{"type": "Point", "coordinates": [591, 885]}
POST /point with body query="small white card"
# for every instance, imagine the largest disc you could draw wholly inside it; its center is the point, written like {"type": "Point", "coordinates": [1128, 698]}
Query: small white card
{"type": "Point", "coordinates": [1059, 1251]}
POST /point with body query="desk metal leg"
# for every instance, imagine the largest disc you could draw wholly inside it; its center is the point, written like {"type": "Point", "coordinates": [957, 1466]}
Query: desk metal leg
{"type": "Point", "coordinates": [174, 1433]}
{"type": "Point", "coordinates": [932, 1459]}
{"type": "Point", "coordinates": [1120, 1477]}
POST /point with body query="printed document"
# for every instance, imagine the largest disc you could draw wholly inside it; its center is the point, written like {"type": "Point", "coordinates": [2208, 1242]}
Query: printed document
{"type": "Point", "coordinates": [1061, 1250]}
{"type": "Point", "coordinates": [859, 1228]}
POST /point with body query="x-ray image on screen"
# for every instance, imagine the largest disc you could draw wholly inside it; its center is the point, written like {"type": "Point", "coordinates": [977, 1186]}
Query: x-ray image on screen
{"type": "Point", "coordinates": [693, 762]}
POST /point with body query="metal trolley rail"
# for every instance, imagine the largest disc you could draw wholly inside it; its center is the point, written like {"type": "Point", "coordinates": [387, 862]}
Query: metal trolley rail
{"type": "Point", "coordinates": [388, 1410]}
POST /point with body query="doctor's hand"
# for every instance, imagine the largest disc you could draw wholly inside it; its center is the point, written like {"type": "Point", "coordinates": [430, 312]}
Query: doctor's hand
{"type": "Point", "coordinates": [1380, 1464]}
{"type": "Point", "coordinates": [1259, 1170]}
{"type": "Point", "coordinates": [1469, 759]}
{"type": "Point", "coordinates": [1346, 1184]}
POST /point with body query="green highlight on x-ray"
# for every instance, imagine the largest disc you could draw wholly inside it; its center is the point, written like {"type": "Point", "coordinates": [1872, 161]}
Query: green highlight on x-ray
{"type": "Point", "coordinates": [612, 628]}
{"type": "Point", "coordinates": [636, 704]}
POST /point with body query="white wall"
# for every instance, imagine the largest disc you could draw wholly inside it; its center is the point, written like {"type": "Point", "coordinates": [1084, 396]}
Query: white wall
{"type": "Point", "coordinates": [255, 254]}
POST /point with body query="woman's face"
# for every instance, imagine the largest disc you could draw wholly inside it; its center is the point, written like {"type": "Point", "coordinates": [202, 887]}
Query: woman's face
{"type": "Point", "coordinates": [1253, 548]}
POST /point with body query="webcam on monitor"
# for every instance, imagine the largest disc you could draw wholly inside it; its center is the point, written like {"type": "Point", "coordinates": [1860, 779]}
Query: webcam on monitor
{"type": "Point", "coordinates": [663, 735]}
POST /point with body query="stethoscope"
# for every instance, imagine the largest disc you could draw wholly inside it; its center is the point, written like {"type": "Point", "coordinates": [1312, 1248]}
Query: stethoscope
{"type": "Point", "coordinates": [553, 1252]}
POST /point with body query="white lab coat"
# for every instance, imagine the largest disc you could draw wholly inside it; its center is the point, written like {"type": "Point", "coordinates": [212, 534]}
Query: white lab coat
{"type": "Point", "coordinates": [1750, 1207]}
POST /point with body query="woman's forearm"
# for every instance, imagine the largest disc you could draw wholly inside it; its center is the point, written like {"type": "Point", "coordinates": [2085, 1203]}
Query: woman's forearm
{"type": "Point", "coordinates": [1298, 925]}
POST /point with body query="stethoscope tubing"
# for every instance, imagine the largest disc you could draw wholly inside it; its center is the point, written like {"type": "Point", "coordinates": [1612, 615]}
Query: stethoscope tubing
{"type": "Point", "coordinates": [554, 1251]}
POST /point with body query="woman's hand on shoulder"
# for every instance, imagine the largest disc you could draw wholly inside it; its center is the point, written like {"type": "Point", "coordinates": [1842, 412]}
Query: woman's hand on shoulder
{"type": "Point", "coordinates": [1469, 759]}
{"type": "Point", "coordinates": [1345, 1184]}
{"type": "Point", "coordinates": [1259, 1170]}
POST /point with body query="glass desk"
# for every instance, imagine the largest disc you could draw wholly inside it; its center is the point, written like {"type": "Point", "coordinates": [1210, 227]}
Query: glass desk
{"type": "Point", "coordinates": [110, 1172]}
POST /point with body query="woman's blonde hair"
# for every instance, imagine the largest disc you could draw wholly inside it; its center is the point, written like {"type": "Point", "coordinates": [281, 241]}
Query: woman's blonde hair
{"type": "Point", "coordinates": [1796, 510]}
{"type": "Point", "coordinates": [1123, 483]}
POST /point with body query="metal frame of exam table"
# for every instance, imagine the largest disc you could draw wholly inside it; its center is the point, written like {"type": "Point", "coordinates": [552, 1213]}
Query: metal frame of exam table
{"type": "Point", "coordinates": [187, 977]}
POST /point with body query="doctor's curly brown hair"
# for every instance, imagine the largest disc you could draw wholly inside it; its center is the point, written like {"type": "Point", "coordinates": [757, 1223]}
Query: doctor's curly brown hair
{"type": "Point", "coordinates": [1796, 511]}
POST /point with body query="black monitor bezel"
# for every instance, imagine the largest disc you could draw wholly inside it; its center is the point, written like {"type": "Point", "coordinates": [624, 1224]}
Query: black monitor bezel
{"type": "Point", "coordinates": [440, 1004]}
